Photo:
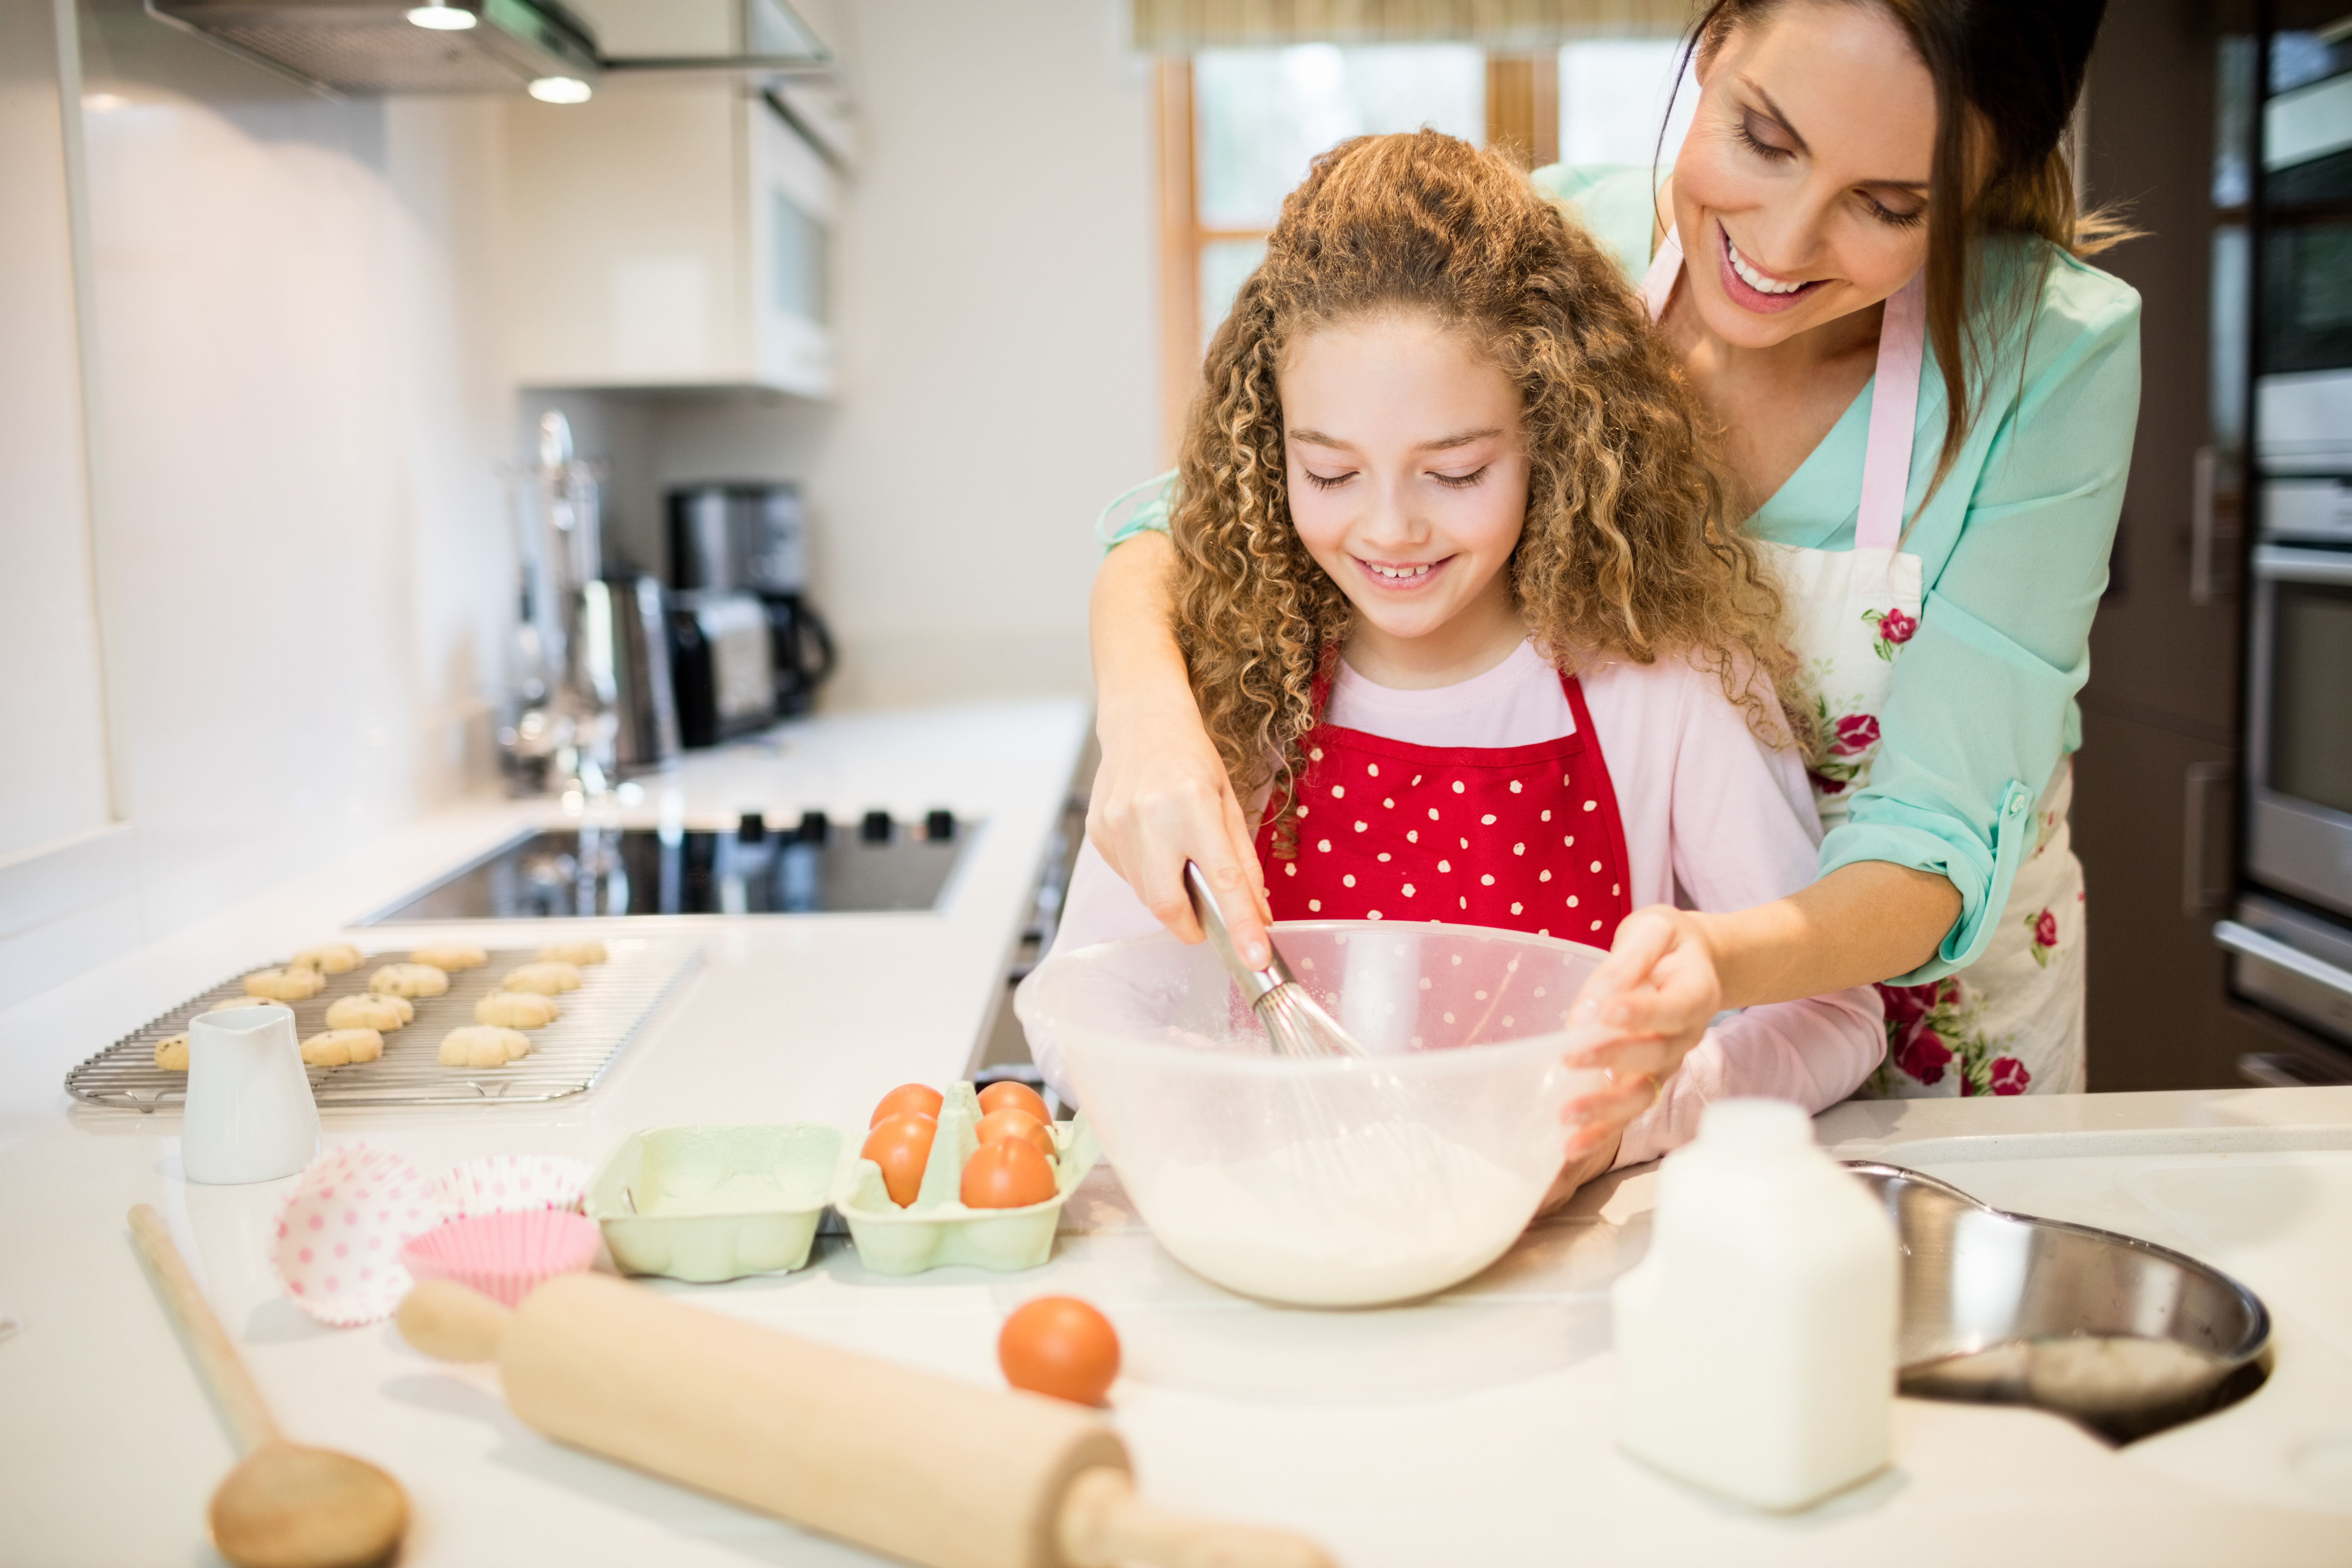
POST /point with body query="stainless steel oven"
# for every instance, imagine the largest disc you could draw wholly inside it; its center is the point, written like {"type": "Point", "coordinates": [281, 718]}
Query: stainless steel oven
{"type": "Point", "coordinates": [2291, 937]}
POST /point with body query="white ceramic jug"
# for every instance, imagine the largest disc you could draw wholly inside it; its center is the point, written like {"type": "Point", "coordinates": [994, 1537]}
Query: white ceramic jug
{"type": "Point", "coordinates": [250, 1117]}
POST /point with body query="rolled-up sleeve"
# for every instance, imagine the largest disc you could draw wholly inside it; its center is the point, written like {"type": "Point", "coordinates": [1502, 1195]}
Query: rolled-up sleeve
{"type": "Point", "coordinates": [1982, 703]}
{"type": "Point", "coordinates": [1143, 508]}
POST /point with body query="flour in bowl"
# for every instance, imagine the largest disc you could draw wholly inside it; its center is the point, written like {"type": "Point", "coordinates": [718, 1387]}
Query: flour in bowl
{"type": "Point", "coordinates": [1383, 1211]}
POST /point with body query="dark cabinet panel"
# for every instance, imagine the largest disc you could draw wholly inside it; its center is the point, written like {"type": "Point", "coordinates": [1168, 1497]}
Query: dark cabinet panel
{"type": "Point", "coordinates": [2158, 1017]}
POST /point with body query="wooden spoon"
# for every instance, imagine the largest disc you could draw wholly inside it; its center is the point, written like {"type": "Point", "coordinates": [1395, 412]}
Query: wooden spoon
{"type": "Point", "coordinates": [284, 1505]}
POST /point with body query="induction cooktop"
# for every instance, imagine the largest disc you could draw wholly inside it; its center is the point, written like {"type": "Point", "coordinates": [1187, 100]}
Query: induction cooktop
{"type": "Point", "coordinates": [880, 864]}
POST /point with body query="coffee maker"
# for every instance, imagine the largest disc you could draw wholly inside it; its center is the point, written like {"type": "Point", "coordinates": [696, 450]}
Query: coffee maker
{"type": "Point", "coordinates": [753, 538]}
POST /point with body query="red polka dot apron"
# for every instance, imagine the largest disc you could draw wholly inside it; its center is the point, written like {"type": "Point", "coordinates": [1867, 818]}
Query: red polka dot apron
{"type": "Point", "coordinates": [2010, 1023]}
{"type": "Point", "coordinates": [1522, 837]}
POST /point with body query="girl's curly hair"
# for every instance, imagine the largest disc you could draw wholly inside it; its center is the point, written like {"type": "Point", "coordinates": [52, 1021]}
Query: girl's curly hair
{"type": "Point", "coordinates": [1629, 549]}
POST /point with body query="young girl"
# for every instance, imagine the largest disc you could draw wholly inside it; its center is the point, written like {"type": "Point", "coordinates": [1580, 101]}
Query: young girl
{"type": "Point", "coordinates": [1462, 612]}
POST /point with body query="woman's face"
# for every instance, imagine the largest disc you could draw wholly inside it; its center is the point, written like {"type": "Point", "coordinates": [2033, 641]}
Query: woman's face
{"type": "Point", "coordinates": [1408, 477]}
{"type": "Point", "coordinates": [1801, 194]}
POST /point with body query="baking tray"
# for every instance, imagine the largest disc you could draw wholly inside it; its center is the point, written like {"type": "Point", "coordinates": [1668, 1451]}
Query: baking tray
{"type": "Point", "coordinates": [567, 1057]}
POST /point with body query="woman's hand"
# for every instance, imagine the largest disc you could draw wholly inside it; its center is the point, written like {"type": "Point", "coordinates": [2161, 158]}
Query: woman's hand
{"type": "Point", "coordinates": [1653, 997]}
{"type": "Point", "coordinates": [1162, 795]}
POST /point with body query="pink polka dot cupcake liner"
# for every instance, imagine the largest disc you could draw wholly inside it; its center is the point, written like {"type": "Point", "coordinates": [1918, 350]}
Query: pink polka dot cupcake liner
{"type": "Point", "coordinates": [512, 1183]}
{"type": "Point", "coordinates": [337, 1250]}
{"type": "Point", "coordinates": [504, 1256]}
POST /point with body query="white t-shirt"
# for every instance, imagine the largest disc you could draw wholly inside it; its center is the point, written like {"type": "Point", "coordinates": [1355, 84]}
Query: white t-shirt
{"type": "Point", "coordinates": [1713, 817]}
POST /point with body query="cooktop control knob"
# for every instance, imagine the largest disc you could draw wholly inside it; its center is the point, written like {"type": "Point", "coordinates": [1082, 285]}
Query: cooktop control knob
{"type": "Point", "coordinates": [752, 828]}
{"type": "Point", "coordinates": [875, 828]}
{"type": "Point", "coordinates": [814, 828]}
{"type": "Point", "coordinates": [939, 825]}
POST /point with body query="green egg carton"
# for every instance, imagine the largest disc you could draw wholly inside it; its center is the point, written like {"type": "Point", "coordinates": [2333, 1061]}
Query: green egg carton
{"type": "Point", "coordinates": [707, 1204]}
{"type": "Point", "coordinates": [937, 1231]}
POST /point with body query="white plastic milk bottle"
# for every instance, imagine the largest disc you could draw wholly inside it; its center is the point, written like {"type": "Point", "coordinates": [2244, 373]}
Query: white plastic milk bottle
{"type": "Point", "coordinates": [1756, 1341]}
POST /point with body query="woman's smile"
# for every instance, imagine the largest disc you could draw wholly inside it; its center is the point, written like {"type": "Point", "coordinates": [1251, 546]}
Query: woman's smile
{"type": "Point", "coordinates": [1751, 287]}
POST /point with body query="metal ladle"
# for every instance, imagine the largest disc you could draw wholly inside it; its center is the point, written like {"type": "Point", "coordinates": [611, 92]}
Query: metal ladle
{"type": "Point", "coordinates": [284, 1505]}
{"type": "Point", "coordinates": [1293, 1019]}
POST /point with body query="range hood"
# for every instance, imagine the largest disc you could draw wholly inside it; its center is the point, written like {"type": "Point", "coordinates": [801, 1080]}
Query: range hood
{"type": "Point", "coordinates": [364, 46]}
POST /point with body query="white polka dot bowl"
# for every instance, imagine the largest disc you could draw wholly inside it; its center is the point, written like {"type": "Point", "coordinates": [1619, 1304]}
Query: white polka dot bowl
{"type": "Point", "coordinates": [1326, 1182]}
{"type": "Point", "coordinates": [504, 1256]}
{"type": "Point", "coordinates": [512, 1183]}
{"type": "Point", "coordinates": [337, 1249]}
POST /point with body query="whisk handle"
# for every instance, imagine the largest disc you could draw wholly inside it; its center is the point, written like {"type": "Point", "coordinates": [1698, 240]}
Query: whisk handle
{"type": "Point", "coordinates": [1254, 983]}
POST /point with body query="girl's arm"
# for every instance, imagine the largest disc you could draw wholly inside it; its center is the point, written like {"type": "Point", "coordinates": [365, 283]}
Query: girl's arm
{"type": "Point", "coordinates": [1162, 796]}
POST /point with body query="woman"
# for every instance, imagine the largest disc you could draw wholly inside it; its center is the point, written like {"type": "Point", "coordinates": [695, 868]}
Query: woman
{"type": "Point", "coordinates": [1872, 276]}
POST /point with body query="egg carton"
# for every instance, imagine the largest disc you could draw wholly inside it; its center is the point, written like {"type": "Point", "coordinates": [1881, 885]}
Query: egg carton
{"type": "Point", "coordinates": [938, 1230]}
{"type": "Point", "coordinates": [710, 1203]}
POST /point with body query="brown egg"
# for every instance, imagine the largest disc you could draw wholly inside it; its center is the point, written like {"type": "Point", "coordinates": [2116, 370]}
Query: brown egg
{"type": "Point", "coordinates": [1007, 1174]}
{"type": "Point", "coordinates": [901, 1146]}
{"type": "Point", "coordinates": [919, 1098]}
{"type": "Point", "coordinates": [1012, 1123]}
{"type": "Point", "coordinates": [1057, 1345]}
{"type": "Point", "coordinates": [1017, 1096]}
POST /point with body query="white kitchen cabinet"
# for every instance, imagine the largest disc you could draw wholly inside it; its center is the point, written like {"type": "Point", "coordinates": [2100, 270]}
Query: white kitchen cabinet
{"type": "Point", "coordinates": [669, 233]}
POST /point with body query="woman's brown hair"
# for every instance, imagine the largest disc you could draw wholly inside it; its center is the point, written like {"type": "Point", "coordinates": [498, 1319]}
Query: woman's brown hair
{"type": "Point", "coordinates": [1628, 549]}
{"type": "Point", "coordinates": [2009, 73]}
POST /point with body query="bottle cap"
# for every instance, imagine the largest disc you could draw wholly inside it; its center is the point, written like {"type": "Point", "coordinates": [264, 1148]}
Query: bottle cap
{"type": "Point", "coordinates": [1754, 1127]}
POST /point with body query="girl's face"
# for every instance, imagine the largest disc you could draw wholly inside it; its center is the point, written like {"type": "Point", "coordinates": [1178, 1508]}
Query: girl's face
{"type": "Point", "coordinates": [1801, 194]}
{"type": "Point", "coordinates": [1409, 485]}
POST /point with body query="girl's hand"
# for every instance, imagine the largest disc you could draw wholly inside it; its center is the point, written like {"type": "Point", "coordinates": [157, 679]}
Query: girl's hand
{"type": "Point", "coordinates": [1653, 997]}
{"type": "Point", "coordinates": [1162, 798]}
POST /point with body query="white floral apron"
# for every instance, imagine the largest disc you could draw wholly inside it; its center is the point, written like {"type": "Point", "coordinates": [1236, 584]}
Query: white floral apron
{"type": "Point", "coordinates": [2010, 1023]}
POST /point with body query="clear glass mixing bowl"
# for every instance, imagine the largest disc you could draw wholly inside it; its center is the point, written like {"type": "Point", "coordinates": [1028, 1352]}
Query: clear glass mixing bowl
{"type": "Point", "coordinates": [1336, 1182]}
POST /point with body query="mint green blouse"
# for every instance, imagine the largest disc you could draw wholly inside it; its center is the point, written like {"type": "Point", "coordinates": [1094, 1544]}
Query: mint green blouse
{"type": "Point", "coordinates": [2014, 553]}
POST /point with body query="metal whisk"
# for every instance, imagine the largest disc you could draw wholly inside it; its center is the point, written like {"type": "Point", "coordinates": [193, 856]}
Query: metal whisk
{"type": "Point", "coordinates": [1293, 1019]}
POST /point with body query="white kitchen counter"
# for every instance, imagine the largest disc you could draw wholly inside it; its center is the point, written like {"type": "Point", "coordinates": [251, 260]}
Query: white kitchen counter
{"type": "Point", "coordinates": [1474, 1429]}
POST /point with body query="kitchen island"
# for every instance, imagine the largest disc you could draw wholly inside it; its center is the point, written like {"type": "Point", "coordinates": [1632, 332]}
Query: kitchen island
{"type": "Point", "coordinates": [1471, 1429]}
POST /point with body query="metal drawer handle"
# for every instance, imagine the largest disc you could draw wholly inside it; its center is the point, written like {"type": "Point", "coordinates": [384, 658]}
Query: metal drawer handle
{"type": "Point", "coordinates": [2251, 944]}
{"type": "Point", "coordinates": [2196, 895]}
{"type": "Point", "coordinates": [2283, 563]}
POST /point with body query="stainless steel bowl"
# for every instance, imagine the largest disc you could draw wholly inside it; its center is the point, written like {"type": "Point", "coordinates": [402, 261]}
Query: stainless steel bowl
{"type": "Point", "coordinates": [2124, 1336]}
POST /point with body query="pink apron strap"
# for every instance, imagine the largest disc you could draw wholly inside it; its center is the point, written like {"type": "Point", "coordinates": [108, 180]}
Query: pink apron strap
{"type": "Point", "coordinates": [1894, 402]}
{"type": "Point", "coordinates": [1894, 417]}
{"type": "Point", "coordinates": [1658, 283]}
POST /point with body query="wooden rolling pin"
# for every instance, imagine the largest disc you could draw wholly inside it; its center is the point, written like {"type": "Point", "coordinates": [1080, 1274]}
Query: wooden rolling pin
{"type": "Point", "coordinates": [935, 1472]}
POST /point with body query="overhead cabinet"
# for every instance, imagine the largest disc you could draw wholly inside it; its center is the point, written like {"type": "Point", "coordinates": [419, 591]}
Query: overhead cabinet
{"type": "Point", "coordinates": [668, 235]}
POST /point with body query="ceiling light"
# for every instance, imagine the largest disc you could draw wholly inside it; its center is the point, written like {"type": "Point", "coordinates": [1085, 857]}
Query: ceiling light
{"type": "Point", "coordinates": [560, 89]}
{"type": "Point", "coordinates": [442, 17]}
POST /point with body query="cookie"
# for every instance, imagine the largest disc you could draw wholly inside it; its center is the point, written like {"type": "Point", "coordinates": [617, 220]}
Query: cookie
{"type": "Point", "coordinates": [581, 953]}
{"type": "Point", "coordinates": [330, 958]}
{"type": "Point", "coordinates": [516, 1010]}
{"type": "Point", "coordinates": [172, 1053]}
{"type": "Point", "coordinates": [370, 1010]}
{"type": "Point", "coordinates": [339, 1047]}
{"type": "Point", "coordinates": [292, 984]}
{"type": "Point", "coordinates": [409, 980]}
{"type": "Point", "coordinates": [450, 955]}
{"type": "Point", "coordinates": [483, 1046]}
{"type": "Point", "coordinates": [549, 979]}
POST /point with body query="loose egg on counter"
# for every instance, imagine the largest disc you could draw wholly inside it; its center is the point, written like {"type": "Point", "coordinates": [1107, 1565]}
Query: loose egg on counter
{"type": "Point", "coordinates": [901, 1145]}
{"type": "Point", "coordinates": [1013, 1123]}
{"type": "Point", "coordinates": [1059, 1346]}
{"type": "Point", "coordinates": [1007, 1174]}
{"type": "Point", "coordinates": [1015, 1096]}
{"type": "Point", "coordinates": [919, 1097]}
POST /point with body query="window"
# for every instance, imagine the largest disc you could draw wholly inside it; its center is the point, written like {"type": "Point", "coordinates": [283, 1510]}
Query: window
{"type": "Point", "coordinates": [1239, 126]}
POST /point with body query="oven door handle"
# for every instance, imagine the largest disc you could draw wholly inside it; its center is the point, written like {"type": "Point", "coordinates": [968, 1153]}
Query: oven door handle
{"type": "Point", "coordinates": [2284, 563]}
{"type": "Point", "coordinates": [2248, 943]}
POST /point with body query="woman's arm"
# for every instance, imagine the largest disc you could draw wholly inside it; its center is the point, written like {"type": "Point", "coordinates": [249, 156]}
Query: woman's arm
{"type": "Point", "coordinates": [1671, 971]}
{"type": "Point", "coordinates": [1162, 796]}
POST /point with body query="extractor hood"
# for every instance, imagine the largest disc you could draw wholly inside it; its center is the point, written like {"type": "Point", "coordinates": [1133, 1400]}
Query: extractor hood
{"type": "Point", "coordinates": [363, 46]}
